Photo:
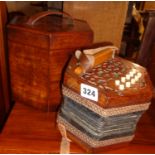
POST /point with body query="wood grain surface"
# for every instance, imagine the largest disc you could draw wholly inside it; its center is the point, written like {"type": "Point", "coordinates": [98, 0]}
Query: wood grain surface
{"type": "Point", "coordinates": [38, 54]}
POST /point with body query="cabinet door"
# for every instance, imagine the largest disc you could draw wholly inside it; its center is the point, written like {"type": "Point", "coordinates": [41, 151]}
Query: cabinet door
{"type": "Point", "coordinates": [4, 90]}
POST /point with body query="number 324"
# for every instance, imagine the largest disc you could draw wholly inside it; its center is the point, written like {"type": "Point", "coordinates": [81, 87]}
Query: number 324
{"type": "Point", "coordinates": [88, 92]}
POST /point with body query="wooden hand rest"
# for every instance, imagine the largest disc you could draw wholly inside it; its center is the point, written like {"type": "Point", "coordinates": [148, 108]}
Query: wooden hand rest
{"type": "Point", "coordinates": [88, 59]}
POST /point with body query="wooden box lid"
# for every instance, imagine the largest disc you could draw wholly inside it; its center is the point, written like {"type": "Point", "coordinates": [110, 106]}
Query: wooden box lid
{"type": "Point", "coordinates": [45, 30]}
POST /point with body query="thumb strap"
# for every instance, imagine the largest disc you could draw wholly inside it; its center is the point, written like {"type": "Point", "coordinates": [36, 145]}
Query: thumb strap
{"type": "Point", "coordinates": [65, 141]}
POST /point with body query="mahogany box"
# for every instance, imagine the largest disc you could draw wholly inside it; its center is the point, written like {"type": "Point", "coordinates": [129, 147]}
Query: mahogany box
{"type": "Point", "coordinates": [39, 47]}
{"type": "Point", "coordinates": [104, 97]}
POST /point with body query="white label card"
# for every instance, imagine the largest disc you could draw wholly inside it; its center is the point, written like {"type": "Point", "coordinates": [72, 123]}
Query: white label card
{"type": "Point", "coordinates": [89, 92]}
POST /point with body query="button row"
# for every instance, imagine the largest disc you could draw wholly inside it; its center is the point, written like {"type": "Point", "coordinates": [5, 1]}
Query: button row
{"type": "Point", "coordinates": [131, 78]}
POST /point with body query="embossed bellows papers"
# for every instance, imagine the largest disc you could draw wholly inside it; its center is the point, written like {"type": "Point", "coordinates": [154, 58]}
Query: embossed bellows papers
{"type": "Point", "coordinates": [104, 97]}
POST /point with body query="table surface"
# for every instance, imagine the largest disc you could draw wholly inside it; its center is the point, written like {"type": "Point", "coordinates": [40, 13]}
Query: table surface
{"type": "Point", "coordinates": [28, 130]}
